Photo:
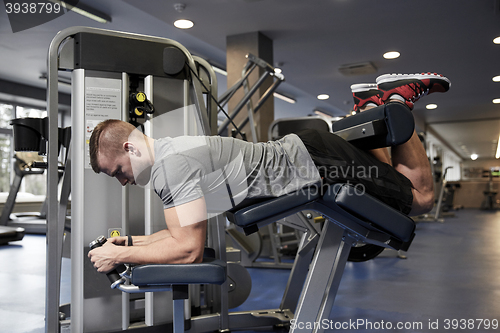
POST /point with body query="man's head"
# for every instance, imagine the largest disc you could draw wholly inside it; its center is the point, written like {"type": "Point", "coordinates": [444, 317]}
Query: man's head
{"type": "Point", "coordinates": [119, 150]}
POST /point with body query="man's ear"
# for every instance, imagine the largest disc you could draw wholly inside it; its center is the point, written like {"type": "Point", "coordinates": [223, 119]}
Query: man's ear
{"type": "Point", "coordinates": [129, 147]}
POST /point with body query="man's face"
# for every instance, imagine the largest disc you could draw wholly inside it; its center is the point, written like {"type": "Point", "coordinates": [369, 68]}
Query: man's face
{"type": "Point", "coordinates": [118, 167]}
{"type": "Point", "coordinates": [130, 167]}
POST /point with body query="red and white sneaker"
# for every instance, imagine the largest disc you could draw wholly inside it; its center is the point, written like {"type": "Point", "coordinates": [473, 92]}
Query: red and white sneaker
{"type": "Point", "coordinates": [365, 94]}
{"type": "Point", "coordinates": [411, 87]}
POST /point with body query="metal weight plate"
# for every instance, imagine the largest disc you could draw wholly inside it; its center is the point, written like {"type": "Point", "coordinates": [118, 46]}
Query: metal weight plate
{"type": "Point", "coordinates": [364, 252]}
{"type": "Point", "coordinates": [240, 284]}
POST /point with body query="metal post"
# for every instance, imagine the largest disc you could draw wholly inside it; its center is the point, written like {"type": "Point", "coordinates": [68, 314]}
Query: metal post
{"type": "Point", "coordinates": [125, 201]}
{"type": "Point", "coordinates": [323, 278]}
{"type": "Point", "coordinates": [148, 218]}
{"type": "Point", "coordinates": [54, 239]}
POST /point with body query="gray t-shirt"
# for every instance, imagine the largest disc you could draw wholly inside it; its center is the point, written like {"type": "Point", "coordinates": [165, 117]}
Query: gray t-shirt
{"type": "Point", "coordinates": [226, 171]}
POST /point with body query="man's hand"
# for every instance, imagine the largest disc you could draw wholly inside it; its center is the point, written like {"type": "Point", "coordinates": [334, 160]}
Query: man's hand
{"type": "Point", "coordinates": [104, 257]}
{"type": "Point", "coordinates": [121, 241]}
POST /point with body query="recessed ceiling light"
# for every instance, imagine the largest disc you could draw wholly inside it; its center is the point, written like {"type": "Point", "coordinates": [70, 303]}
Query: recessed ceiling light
{"type": "Point", "coordinates": [323, 97]}
{"type": "Point", "coordinates": [496, 101]}
{"type": "Point", "coordinates": [431, 106]}
{"type": "Point", "coordinates": [391, 55]}
{"type": "Point", "coordinates": [474, 157]}
{"type": "Point", "coordinates": [496, 78]}
{"type": "Point", "coordinates": [183, 24]}
{"type": "Point", "coordinates": [496, 40]}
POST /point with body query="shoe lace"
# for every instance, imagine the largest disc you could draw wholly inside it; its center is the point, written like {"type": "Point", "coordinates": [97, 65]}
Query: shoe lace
{"type": "Point", "coordinates": [419, 90]}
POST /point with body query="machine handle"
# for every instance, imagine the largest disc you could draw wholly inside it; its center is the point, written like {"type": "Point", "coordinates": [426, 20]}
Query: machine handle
{"type": "Point", "coordinates": [113, 276]}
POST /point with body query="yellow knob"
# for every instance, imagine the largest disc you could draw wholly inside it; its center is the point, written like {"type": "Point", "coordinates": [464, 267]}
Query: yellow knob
{"type": "Point", "coordinates": [138, 112]}
{"type": "Point", "coordinates": [140, 97]}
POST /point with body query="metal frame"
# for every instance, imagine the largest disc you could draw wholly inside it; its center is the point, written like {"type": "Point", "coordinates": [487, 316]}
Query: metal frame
{"type": "Point", "coordinates": [59, 57]}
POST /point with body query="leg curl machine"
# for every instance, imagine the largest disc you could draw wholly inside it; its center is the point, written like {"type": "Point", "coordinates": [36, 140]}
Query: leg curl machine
{"type": "Point", "coordinates": [351, 217]}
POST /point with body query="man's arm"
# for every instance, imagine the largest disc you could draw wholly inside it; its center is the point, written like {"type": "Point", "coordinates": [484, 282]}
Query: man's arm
{"type": "Point", "coordinates": [187, 227]}
{"type": "Point", "coordinates": [140, 240]}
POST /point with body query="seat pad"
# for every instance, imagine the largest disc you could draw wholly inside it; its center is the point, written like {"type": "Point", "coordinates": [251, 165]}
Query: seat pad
{"type": "Point", "coordinates": [210, 271]}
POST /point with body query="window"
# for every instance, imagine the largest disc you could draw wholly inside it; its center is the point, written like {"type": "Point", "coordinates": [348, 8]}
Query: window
{"type": "Point", "coordinates": [23, 112]}
{"type": "Point", "coordinates": [5, 163]}
{"type": "Point", "coordinates": [6, 112]}
{"type": "Point", "coordinates": [34, 184]}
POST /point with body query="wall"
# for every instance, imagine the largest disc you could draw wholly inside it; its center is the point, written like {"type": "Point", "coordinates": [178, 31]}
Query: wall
{"type": "Point", "coordinates": [475, 182]}
{"type": "Point", "coordinates": [471, 193]}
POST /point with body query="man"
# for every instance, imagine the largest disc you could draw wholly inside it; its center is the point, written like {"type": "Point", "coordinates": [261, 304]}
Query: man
{"type": "Point", "coordinates": [198, 175]}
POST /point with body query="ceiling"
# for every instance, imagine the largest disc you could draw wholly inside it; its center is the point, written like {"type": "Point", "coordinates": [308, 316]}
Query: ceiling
{"type": "Point", "coordinates": [311, 40]}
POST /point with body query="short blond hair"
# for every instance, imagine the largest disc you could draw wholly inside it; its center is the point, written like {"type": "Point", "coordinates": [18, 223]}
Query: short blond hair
{"type": "Point", "coordinates": [108, 138]}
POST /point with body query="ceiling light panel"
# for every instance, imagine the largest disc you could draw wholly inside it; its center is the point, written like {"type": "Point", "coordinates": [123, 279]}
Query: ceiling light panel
{"type": "Point", "coordinates": [392, 55]}
{"type": "Point", "coordinates": [183, 24]}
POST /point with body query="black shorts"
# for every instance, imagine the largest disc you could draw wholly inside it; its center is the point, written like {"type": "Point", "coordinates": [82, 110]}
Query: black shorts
{"type": "Point", "coordinates": [340, 162]}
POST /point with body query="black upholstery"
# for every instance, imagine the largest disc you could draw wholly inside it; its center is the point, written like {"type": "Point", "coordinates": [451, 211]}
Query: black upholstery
{"type": "Point", "coordinates": [210, 271]}
{"type": "Point", "coordinates": [393, 121]}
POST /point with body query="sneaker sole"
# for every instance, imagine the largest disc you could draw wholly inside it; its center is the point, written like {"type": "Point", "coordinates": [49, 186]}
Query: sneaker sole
{"type": "Point", "coordinates": [419, 76]}
{"type": "Point", "coordinates": [363, 87]}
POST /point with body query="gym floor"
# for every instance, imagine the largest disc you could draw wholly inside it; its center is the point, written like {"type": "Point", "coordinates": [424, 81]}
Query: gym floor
{"type": "Point", "coordinates": [452, 273]}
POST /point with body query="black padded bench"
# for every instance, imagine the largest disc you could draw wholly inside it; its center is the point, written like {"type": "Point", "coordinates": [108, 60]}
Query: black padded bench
{"type": "Point", "coordinates": [388, 227]}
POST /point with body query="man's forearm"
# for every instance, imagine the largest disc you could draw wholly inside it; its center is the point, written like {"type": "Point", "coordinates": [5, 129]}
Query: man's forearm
{"type": "Point", "coordinates": [145, 240]}
{"type": "Point", "coordinates": [164, 250]}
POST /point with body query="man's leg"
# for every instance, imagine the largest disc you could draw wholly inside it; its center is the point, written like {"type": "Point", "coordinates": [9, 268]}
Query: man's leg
{"type": "Point", "coordinates": [410, 158]}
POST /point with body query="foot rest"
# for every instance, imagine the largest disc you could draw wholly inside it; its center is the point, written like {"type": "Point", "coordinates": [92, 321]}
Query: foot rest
{"type": "Point", "coordinates": [210, 271]}
{"type": "Point", "coordinates": [386, 125]}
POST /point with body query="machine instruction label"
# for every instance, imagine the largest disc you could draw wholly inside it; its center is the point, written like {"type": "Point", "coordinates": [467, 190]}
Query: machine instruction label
{"type": "Point", "coordinates": [102, 101]}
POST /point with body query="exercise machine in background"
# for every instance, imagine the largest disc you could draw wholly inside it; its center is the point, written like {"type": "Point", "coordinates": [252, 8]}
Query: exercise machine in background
{"type": "Point", "coordinates": [25, 164]}
{"type": "Point", "coordinates": [489, 201]}
{"type": "Point", "coordinates": [30, 145]}
{"type": "Point", "coordinates": [246, 100]}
